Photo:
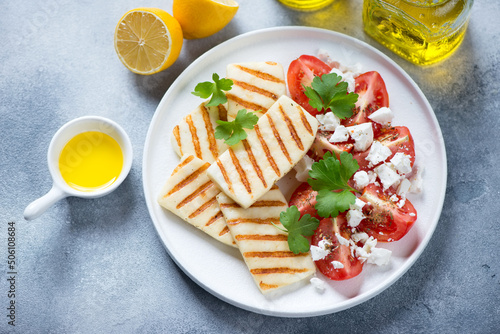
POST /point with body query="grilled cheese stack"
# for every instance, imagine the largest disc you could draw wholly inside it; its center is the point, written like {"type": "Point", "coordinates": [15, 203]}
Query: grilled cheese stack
{"type": "Point", "coordinates": [191, 195]}
{"type": "Point", "coordinates": [195, 134]}
{"type": "Point", "coordinates": [256, 86]}
{"type": "Point", "coordinates": [247, 170]}
{"type": "Point", "coordinates": [263, 246]}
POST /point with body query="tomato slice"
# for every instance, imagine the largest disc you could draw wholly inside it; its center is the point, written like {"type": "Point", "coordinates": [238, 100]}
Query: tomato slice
{"type": "Point", "coordinates": [301, 72]}
{"type": "Point", "coordinates": [397, 139]}
{"type": "Point", "coordinates": [372, 95]}
{"type": "Point", "coordinates": [321, 145]}
{"type": "Point", "coordinates": [385, 221]}
{"type": "Point", "coordinates": [341, 253]}
{"type": "Point", "coordinates": [304, 198]}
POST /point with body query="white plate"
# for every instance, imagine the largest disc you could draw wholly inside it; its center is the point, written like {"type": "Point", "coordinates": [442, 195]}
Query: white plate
{"type": "Point", "coordinates": [218, 268]}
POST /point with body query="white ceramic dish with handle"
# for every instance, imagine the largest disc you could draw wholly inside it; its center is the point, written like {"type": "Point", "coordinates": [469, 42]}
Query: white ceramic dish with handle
{"type": "Point", "coordinates": [60, 189]}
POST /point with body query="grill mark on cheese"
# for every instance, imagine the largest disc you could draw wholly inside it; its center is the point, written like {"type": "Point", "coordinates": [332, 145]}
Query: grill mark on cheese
{"type": "Point", "coordinates": [279, 270]}
{"type": "Point", "coordinates": [255, 89]}
{"type": "Point", "coordinates": [265, 286]}
{"type": "Point", "coordinates": [259, 204]}
{"type": "Point", "coordinates": [267, 221]}
{"type": "Point", "coordinates": [277, 254]}
{"type": "Point", "coordinates": [291, 128]}
{"type": "Point", "coordinates": [266, 150]}
{"type": "Point", "coordinates": [212, 144]}
{"type": "Point", "coordinates": [222, 112]}
{"type": "Point", "coordinates": [260, 74]}
{"type": "Point", "coordinates": [182, 164]}
{"type": "Point", "coordinates": [194, 136]}
{"type": "Point", "coordinates": [305, 122]}
{"type": "Point", "coordinates": [224, 231]}
{"type": "Point", "coordinates": [202, 208]}
{"type": "Point", "coordinates": [193, 176]}
{"type": "Point", "coordinates": [214, 219]}
{"type": "Point", "coordinates": [241, 172]}
{"type": "Point", "coordinates": [246, 104]}
{"type": "Point", "coordinates": [224, 174]}
{"type": "Point", "coordinates": [198, 192]}
{"type": "Point", "coordinates": [262, 237]}
{"type": "Point", "coordinates": [177, 136]}
{"type": "Point", "coordinates": [279, 140]}
{"type": "Point", "coordinates": [255, 165]}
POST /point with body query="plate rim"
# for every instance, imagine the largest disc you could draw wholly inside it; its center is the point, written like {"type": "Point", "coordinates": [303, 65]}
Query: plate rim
{"type": "Point", "coordinates": [349, 303]}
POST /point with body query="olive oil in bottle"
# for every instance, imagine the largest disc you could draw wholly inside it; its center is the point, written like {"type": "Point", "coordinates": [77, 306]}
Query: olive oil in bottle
{"type": "Point", "coordinates": [422, 31]}
{"type": "Point", "coordinates": [306, 4]}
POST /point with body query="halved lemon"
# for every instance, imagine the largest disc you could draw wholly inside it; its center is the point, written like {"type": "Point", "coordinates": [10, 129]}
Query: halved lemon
{"type": "Point", "coordinates": [148, 40]}
{"type": "Point", "coordinates": [202, 18]}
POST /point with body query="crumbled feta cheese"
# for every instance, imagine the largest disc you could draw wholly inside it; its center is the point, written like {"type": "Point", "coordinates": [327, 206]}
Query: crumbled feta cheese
{"type": "Point", "coordinates": [318, 284]}
{"type": "Point", "coordinates": [387, 175]}
{"type": "Point", "coordinates": [318, 253]}
{"type": "Point", "coordinates": [379, 256]}
{"type": "Point", "coordinates": [362, 135]}
{"type": "Point", "coordinates": [394, 198]}
{"type": "Point", "coordinates": [372, 177]}
{"type": "Point", "coordinates": [401, 203]}
{"type": "Point", "coordinates": [417, 181]}
{"type": "Point", "coordinates": [354, 217]}
{"type": "Point", "coordinates": [342, 240]}
{"type": "Point", "coordinates": [369, 244]}
{"type": "Point", "coordinates": [361, 254]}
{"type": "Point", "coordinates": [337, 72]}
{"type": "Point", "coordinates": [382, 116]}
{"type": "Point", "coordinates": [321, 251]}
{"type": "Point", "coordinates": [378, 153]}
{"type": "Point", "coordinates": [341, 134]}
{"type": "Point", "coordinates": [302, 168]}
{"type": "Point", "coordinates": [337, 265]}
{"type": "Point", "coordinates": [361, 179]}
{"type": "Point", "coordinates": [359, 236]}
{"type": "Point", "coordinates": [404, 187]}
{"type": "Point", "coordinates": [358, 205]}
{"type": "Point", "coordinates": [402, 162]}
{"type": "Point", "coordinates": [328, 121]}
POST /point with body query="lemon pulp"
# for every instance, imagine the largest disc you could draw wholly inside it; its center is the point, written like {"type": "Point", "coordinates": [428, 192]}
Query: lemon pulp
{"type": "Point", "coordinates": [91, 161]}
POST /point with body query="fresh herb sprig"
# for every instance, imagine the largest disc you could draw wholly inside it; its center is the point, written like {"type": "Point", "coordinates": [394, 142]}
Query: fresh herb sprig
{"type": "Point", "coordinates": [232, 132]}
{"type": "Point", "coordinates": [215, 89]}
{"type": "Point", "coordinates": [329, 177]}
{"type": "Point", "coordinates": [298, 229]}
{"type": "Point", "coordinates": [329, 93]}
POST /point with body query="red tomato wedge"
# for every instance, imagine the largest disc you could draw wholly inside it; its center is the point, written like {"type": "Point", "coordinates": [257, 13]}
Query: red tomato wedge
{"type": "Point", "coordinates": [385, 221]}
{"type": "Point", "coordinates": [341, 253]}
{"type": "Point", "coordinates": [372, 96]}
{"type": "Point", "coordinates": [397, 139]}
{"type": "Point", "coordinates": [301, 72]}
{"type": "Point", "coordinates": [304, 198]}
{"type": "Point", "coordinates": [321, 145]}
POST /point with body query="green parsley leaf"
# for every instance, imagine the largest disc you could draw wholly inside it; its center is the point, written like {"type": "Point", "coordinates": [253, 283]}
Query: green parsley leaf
{"type": "Point", "coordinates": [327, 92]}
{"type": "Point", "coordinates": [214, 89]}
{"type": "Point", "coordinates": [298, 228]}
{"type": "Point", "coordinates": [329, 177]}
{"type": "Point", "coordinates": [232, 132]}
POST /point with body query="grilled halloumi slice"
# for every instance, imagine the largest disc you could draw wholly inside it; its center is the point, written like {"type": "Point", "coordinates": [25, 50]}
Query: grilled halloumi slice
{"type": "Point", "coordinates": [281, 137]}
{"type": "Point", "coordinates": [256, 86]}
{"type": "Point", "coordinates": [263, 246]}
{"type": "Point", "coordinates": [191, 195]}
{"type": "Point", "coordinates": [195, 134]}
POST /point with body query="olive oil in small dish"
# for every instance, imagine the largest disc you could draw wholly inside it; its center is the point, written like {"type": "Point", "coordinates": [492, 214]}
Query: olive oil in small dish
{"type": "Point", "coordinates": [91, 160]}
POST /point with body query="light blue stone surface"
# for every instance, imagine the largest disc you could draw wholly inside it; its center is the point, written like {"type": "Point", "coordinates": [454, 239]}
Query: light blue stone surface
{"type": "Point", "coordinates": [98, 266]}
